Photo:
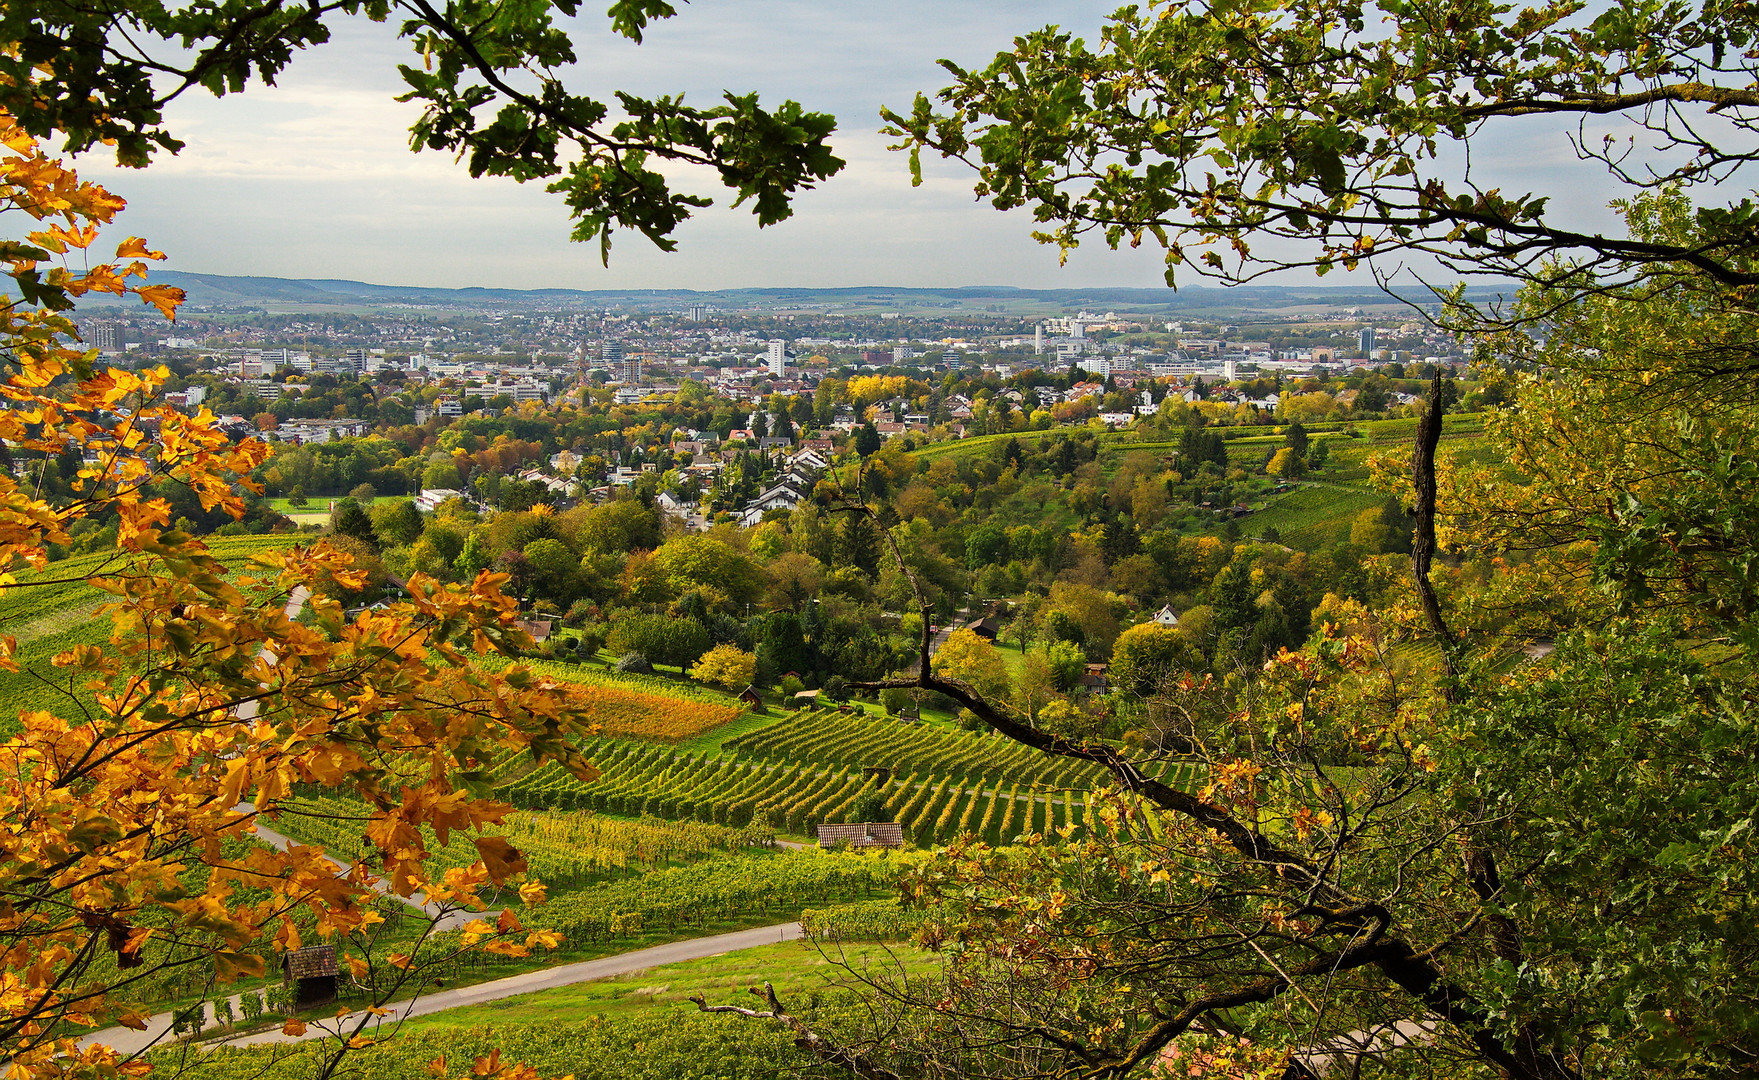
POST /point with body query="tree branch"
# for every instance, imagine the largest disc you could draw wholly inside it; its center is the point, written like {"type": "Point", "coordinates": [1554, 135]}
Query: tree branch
{"type": "Point", "coordinates": [804, 1037]}
{"type": "Point", "coordinates": [1717, 97]}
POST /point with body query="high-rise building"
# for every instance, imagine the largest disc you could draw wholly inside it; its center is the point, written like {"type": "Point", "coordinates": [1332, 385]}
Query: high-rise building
{"type": "Point", "coordinates": [698, 312]}
{"type": "Point", "coordinates": [611, 352]}
{"type": "Point", "coordinates": [1365, 341]}
{"type": "Point", "coordinates": [107, 337]}
{"type": "Point", "coordinates": [1038, 339]}
{"type": "Point", "coordinates": [778, 358]}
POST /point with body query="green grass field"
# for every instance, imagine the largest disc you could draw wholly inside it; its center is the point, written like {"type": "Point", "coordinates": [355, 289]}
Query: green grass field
{"type": "Point", "coordinates": [796, 968]}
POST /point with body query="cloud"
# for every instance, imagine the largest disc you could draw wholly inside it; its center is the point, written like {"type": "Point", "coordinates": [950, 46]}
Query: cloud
{"type": "Point", "coordinates": [314, 178]}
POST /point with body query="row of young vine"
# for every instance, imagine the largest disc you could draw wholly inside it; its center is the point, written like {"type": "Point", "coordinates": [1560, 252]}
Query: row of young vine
{"type": "Point", "coordinates": [657, 782]}
{"type": "Point", "coordinates": [719, 891]}
{"type": "Point", "coordinates": [564, 850]}
{"type": "Point", "coordinates": [833, 739]}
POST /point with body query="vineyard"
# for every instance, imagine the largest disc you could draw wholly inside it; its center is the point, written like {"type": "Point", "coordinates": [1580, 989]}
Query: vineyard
{"type": "Point", "coordinates": [821, 738]}
{"type": "Point", "coordinates": [62, 585]}
{"type": "Point", "coordinates": [38, 684]}
{"type": "Point", "coordinates": [638, 707]}
{"type": "Point", "coordinates": [564, 850]}
{"type": "Point", "coordinates": [932, 804]}
{"type": "Point", "coordinates": [710, 892]}
{"type": "Point", "coordinates": [1314, 517]}
{"type": "Point", "coordinates": [50, 618]}
{"type": "Point", "coordinates": [675, 1044]}
{"type": "Point", "coordinates": [866, 920]}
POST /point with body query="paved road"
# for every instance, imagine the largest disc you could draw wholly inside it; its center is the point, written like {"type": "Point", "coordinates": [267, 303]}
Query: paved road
{"type": "Point", "coordinates": [158, 1028]}
{"type": "Point", "coordinates": [534, 981]}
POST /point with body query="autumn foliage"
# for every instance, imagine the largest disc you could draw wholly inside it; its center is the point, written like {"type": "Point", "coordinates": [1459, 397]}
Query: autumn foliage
{"type": "Point", "coordinates": [123, 811]}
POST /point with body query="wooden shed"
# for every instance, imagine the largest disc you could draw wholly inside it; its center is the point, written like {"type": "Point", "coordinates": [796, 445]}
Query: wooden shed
{"type": "Point", "coordinates": [987, 627]}
{"type": "Point", "coordinates": [539, 629]}
{"type": "Point", "coordinates": [886, 834]}
{"type": "Point", "coordinates": [751, 697]}
{"type": "Point", "coordinates": [312, 972]}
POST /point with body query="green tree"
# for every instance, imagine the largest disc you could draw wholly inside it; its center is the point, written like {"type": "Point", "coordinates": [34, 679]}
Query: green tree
{"type": "Point", "coordinates": [491, 93]}
{"type": "Point", "coordinates": [617, 527]}
{"type": "Point", "coordinates": [706, 563]}
{"type": "Point", "coordinates": [441, 475]}
{"type": "Point", "coordinates": [659, 638]}
{"type": "Point", "coordinates": [350, 519]}
{"type": "Point", "coordinates": [726, 666]}
{"type": "Point", "coordinates": [782, 646]}
{"type": "Point", "coordinates": [1286, 463]}
{"type": "Point", "coordinates": [858, 543]}
{"type": "Point", "coordinates": [973, 660]}
{"type": "Point", "coordinates": [555, 571]}
{"type": "Point", "coordinates": [1146, 655]}
{"type": "Point", "coordinates": [986, 545]}
{"type": "Point", "coordinates": [397, 521]}
{"type": "Point", "coordinates": [1270, 140]}
{"type": "Point", "coordinates": [867, 440]}
{"type": "Point", "coordinates": [473, 558]}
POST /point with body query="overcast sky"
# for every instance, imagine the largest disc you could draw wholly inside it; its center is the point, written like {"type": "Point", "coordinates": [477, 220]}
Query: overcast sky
{"type": "Point", "coordinates": [313, 177]}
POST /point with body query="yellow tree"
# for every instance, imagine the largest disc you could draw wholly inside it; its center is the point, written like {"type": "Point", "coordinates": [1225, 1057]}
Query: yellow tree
{"type": "Point", "coordinates": [726, 665]}
{"type": "Point", "coordinates": [127, 810]}
{"type": "Point", "coordinates": [973, 659]}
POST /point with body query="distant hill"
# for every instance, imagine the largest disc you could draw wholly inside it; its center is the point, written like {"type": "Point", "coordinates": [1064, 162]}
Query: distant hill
{"type": "Point", "coordinates": [221, 291]}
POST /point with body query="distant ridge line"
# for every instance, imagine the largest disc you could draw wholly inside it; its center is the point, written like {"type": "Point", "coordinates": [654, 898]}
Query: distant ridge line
{"type": "Point", "coordinates": [221, 289]}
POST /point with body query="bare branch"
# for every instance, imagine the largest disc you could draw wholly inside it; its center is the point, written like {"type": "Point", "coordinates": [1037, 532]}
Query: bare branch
{"type": "Point", "coordinates": [805, 1038]}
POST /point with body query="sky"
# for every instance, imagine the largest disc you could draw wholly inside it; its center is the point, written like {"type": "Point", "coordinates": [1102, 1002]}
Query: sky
{"type": "Point", "coordinates": [313, 178]}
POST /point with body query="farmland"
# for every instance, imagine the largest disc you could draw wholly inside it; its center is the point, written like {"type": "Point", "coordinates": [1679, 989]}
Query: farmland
{"type": "Point", "coordinates": [814, 767]}
{"type": "Point", "coordinates": [635, 706]}
{"type": "Point", "coordinates": [1314, 516]}
{"type": "Point", "coordinates": [50, 618]}
{"type": "Point", "coordinates": [565, 850]}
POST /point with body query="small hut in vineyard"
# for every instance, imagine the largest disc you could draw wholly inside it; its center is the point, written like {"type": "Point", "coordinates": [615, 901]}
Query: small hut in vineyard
{"type": "Point", "coordinates": [312, 973]}
{"type": "Point", "coordinates": [885, 834]}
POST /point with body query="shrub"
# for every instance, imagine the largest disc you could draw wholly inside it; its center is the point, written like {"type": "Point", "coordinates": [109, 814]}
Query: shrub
{"type": "Point", "coordinates": [634, 663]}
{"type": "Point", "coordinates": [591, 639]}
{"type": "Point", "coordinates": [870, 807]}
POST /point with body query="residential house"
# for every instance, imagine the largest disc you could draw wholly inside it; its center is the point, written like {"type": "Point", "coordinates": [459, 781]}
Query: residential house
{"type": "Point", "coordinates": [430, 498]}
{"type": "Point", "coordinates": [785, 494]}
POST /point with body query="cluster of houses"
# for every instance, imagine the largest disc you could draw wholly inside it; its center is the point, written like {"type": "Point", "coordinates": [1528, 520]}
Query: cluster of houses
{"type": "Point", "coordinates": [793, 487]}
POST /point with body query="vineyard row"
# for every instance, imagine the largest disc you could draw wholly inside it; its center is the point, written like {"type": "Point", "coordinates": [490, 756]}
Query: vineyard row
{"type": "Point", "coordinates": [658, 782]}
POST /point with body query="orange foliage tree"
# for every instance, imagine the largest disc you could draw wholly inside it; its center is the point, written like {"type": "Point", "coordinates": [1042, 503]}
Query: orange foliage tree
{"type": "Point", "coordinates": [127, 813]}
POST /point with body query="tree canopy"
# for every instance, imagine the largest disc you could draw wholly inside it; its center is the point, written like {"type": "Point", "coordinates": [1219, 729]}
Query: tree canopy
{"type": "Point", "coordinates": [487, 76]}
{"type": "Point", "coordinates": [1247, 138]}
